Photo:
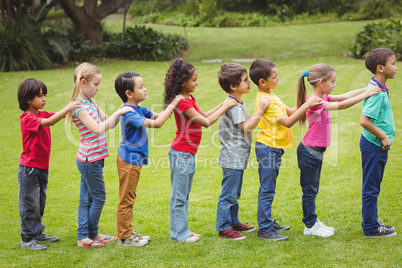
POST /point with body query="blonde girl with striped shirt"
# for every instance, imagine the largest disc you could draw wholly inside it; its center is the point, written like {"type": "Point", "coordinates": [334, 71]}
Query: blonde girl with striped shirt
{"type": "Point", "coordinates": [92, 124]}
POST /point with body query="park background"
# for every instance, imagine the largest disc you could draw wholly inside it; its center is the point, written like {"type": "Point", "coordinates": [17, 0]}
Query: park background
{"type": "Point", "coordinates": [294, 48]}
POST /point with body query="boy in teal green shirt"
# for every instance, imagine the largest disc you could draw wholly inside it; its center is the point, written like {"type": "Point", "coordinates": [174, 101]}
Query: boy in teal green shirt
{"type": "Point", "coordinates": [377, 137]}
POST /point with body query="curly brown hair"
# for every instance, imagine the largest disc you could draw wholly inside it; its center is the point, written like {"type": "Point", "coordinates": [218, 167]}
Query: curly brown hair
{"type": "Point", "coordinates": [178, 73]}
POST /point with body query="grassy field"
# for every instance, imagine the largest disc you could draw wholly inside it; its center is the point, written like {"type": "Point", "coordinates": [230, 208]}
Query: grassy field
{"type": "Point", "coordinates": [293, 48]}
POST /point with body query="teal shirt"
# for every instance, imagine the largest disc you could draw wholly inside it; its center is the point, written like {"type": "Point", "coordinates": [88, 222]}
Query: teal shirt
{"type": "Point", "coordinates": [378, 109]}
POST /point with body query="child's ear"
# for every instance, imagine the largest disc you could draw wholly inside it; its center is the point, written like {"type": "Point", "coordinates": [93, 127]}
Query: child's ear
{"type": "Point", "coordinates": [83, 82]}
{"type": "Point", "coordinates": [128, 93]}
{"type": "Point", "coordinates": [261, 82]}
{"type": "Point", "coordinates": [380, 68]}
{"type": "Point", "coordinates": [232, 87]}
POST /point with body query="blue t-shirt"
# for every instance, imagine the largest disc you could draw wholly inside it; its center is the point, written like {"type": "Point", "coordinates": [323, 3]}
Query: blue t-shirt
{"type": "Point", "coordinates": [378, 109]}
{"type": "Point", "coordinates": [134, 145]}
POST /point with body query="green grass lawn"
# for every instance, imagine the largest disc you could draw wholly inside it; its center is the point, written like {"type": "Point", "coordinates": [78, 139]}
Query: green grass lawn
{"type": "Point", "coordinates": [293, 48]}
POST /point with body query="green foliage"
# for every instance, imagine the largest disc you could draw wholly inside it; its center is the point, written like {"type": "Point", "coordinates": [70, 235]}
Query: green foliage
{"type": "Point", "coordinates": [140, 43]}
{"type": "Point", "coordinates": [206, 9]}
{"type": "Point", "coordinates": [382, 34]}
{"type": "Point", "coordinates": [22, 48]}
{"type": "Point", "coordinates": [378, 9]}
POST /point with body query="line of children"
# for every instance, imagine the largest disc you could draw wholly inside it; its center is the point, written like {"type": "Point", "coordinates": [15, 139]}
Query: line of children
{"type": "Point", "coordinates": [273, 117]}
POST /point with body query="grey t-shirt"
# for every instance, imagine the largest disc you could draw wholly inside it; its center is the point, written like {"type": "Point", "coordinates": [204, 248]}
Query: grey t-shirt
{"type": "Point", "coordinates": [235, 144]}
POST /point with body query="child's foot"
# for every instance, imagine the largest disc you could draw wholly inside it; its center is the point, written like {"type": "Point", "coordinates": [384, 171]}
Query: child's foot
{"type": "Point", "coordinates": [143, 237]}
{"type": "Point", "coordinates": [104, 238]}
{"type": "Point", "coordinates": [244, 227]}
{"type": "Point", "coordinates": [381, 232]}
{"type": "Point", "coordinates": [32, 245]}
{"type": "Point", "coordinates": [45, 238]}
{"type": "Point", "coordinates": [326, 227]}
{"type": "Point", "coordinates": [89, 243]}
{"type": "Point", "coordinates": [318, 230]}
{"type": "Point", "coordinates": [389, 227]}
{"type": "Point", "coordinates": [231, 234]}
{"type": "Point", "coordinates": [192, 238]}
{"type": "Point", "coordinates": [272, 235]}
{"type": "Point", "coordinates": [279, 227]}
{"type": "Point", "coordinates": [132, 241]}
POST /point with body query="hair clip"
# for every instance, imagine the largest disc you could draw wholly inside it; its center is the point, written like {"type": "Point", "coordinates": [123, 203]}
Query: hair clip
{"type": "Point", "coordinates": [181, 59]}
{"type": "Point", "coordinates": [79, 76]}
{"type": "Point", "coordinates": [305, 73]}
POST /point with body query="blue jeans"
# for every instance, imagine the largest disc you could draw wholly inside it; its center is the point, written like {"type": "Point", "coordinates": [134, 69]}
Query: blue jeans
{"type": "Point", "coordinates": [92, 198]}
{"type": "Point", "coordinates": [269, 162]}
{"type": "Point", "coordinates": [309, 160]}
{"type": "Point", "coordinates": [228, 207]}
{"type": "Point", "coordinates": [374, 160]}
{"type": "Point", "coordinates": [32, 200]}
{"type": "Point", "coordinates": [182, 169]}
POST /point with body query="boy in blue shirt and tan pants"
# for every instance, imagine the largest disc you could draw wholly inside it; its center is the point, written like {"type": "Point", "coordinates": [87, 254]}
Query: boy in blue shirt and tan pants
{"type": "Point", "coordinates": [377, 136]}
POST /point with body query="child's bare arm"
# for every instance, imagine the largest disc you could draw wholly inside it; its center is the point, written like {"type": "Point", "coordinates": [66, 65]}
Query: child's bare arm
{"type": "Point", "coordinates": [212, 118]}
{"type": "Point", "coordinates": [370, 127]}
{"type": "Point", "coordinates": [291, 120]}
{"type": "Point", "coordinates": [353, 100]}
{"type": "Point", "coordinates": [256, 117]}
{"type": "Point", "coordinates": [160, 119]}
{"type": "Point", "coordinates": [59, 115]}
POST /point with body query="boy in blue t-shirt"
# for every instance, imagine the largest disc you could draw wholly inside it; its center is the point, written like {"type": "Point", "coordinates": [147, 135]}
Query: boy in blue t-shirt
{"type": "Point", "coordinates": [235, 129]}
{"type": "Point", "coordinates": [377, 136]}
{"type": "Point", "coordinates": [133, 151]}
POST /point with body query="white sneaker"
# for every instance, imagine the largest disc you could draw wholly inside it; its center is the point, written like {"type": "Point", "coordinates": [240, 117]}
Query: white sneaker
{"type": "Point", "coordinates": [318, 230]}
{"type": "Point", "coordinates": [323, 225]}
{"type": "Point", "coordinates": [143, 237]}
{"type": "Point", "coordinates": [132, 241]}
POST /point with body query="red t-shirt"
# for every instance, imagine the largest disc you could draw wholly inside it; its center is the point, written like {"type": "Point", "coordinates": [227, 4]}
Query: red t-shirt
{"type": "Point", "coordinates": [36, 140]}
{"type": "Point", "coordinates": [188, 134]}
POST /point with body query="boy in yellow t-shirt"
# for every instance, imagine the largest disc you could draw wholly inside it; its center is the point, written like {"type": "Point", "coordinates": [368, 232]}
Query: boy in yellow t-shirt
{"type": "Point", "coordinates": [275, 135]}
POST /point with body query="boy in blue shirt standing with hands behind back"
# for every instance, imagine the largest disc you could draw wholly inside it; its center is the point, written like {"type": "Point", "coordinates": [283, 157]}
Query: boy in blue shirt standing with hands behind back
{"type": "Point", "coordinates": [377, 136]}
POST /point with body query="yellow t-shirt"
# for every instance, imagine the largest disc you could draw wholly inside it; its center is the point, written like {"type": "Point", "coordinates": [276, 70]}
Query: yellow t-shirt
{"type": "Point", "coordinates": [272, 133]}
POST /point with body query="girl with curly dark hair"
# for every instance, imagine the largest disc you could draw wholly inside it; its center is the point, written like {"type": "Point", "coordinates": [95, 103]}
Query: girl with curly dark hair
{"type": "Point", "coordinates": [181, 78]}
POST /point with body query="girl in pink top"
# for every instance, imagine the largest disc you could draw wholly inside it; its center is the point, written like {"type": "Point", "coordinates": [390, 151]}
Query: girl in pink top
{"type": "Point", "coordinates": [181, 79]}
{"type": "Point", "coordinates": [310, 151]}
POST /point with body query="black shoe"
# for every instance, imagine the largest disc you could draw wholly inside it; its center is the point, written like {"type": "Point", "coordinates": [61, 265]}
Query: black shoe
{"type": "Point", "coordinates": [272, 236]}
{"type": "Point", "coordinates": [278, 227]}
{"type": "Point", "coordinates": [45, 238]}
{"type": "Point", "coordinates": [381, 232]}
{"type": "Point", "coordinates": [389, 227]}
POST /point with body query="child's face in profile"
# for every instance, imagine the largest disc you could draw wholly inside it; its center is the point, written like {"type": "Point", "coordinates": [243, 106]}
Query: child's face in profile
{"type": "Point", "coordinates": [244, 86]}
{"type": "Point", "coordinates": [140, 92]}
{"type": "Point", "coordinates": [92, 87]}
{"type": "Point", "coordinates": [190, 84]}
{"type": "Point", "coordinates": [38, 102]}
{"type": "Point", "coordinates": [272, 81]}
{"type": "Point", "coordinates": [389, 70]}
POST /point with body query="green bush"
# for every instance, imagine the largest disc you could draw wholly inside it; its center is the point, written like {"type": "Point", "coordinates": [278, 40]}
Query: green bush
{"type": "Point", "coordinates": [382, 34]}
{"type": "Point", "coordinates": [140, 43]}
{"type": "Point", "coordinates": [22, 48]}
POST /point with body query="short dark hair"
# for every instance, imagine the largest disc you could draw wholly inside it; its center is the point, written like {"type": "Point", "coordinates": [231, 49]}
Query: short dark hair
{"type": "Point", "coordinates": [28, 90]}
{"type": "Point", "coordinates": [260, 68]}
{"type": "Point", "coordinates": [230, 74]}
{"type": "Point", "coordinates": [377, 56]}
{"type": "Point", "coordinates": [124, 82]}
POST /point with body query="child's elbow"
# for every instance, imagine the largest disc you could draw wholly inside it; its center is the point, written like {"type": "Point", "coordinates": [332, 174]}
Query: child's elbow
{"type": "Point", "coordinates": [363, 122]}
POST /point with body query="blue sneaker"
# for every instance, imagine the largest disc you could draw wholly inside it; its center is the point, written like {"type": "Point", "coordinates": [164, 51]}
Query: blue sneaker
{"type": "Point", "coordinates": [32, 245]}
{"type": "Point", "coordinates": [272, 235]}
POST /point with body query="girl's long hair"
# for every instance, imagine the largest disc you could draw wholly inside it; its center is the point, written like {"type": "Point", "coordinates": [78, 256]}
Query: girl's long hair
{"type": "Point", "coordinates": [178, 73]}
{"type": "Point", "coordinates": [317, 72]}
{"type": "Point", "coordinates": [85, 71]}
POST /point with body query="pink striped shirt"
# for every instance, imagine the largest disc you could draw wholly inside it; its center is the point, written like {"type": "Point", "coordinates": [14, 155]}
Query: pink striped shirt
{"type": "Point", "coordinates": [92, 147]}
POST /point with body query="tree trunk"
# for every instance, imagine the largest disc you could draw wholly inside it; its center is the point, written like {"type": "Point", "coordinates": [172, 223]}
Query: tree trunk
{"type": "Point", "coordinates": [87, 18]}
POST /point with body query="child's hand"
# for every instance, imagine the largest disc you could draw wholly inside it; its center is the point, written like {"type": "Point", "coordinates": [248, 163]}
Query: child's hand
{"type": "Point", "coordinates": [264, 103]}
{"type": "Point", "coordinates": [74, 104]}
{"type": "Point", "coordinates": [177, 99]}
{"type": "Point", "coordinates": [229, 103]}
{"type": "Point", "coordinates": [372, 90]}
{"type": "Point", "coordinates": [386, 143]}
{"type": "Point", "coordinates": [313, 101]}
{"type": "Point", "coordinates": [124, 110]}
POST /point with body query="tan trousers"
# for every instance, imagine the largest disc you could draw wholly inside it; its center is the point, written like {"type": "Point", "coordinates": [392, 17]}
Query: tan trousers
{"type": "Point", "coordinates": [129, 175]}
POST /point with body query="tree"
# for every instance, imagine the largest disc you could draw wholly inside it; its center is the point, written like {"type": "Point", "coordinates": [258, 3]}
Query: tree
{"type": "Point", "coordinates": [87, 18]}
